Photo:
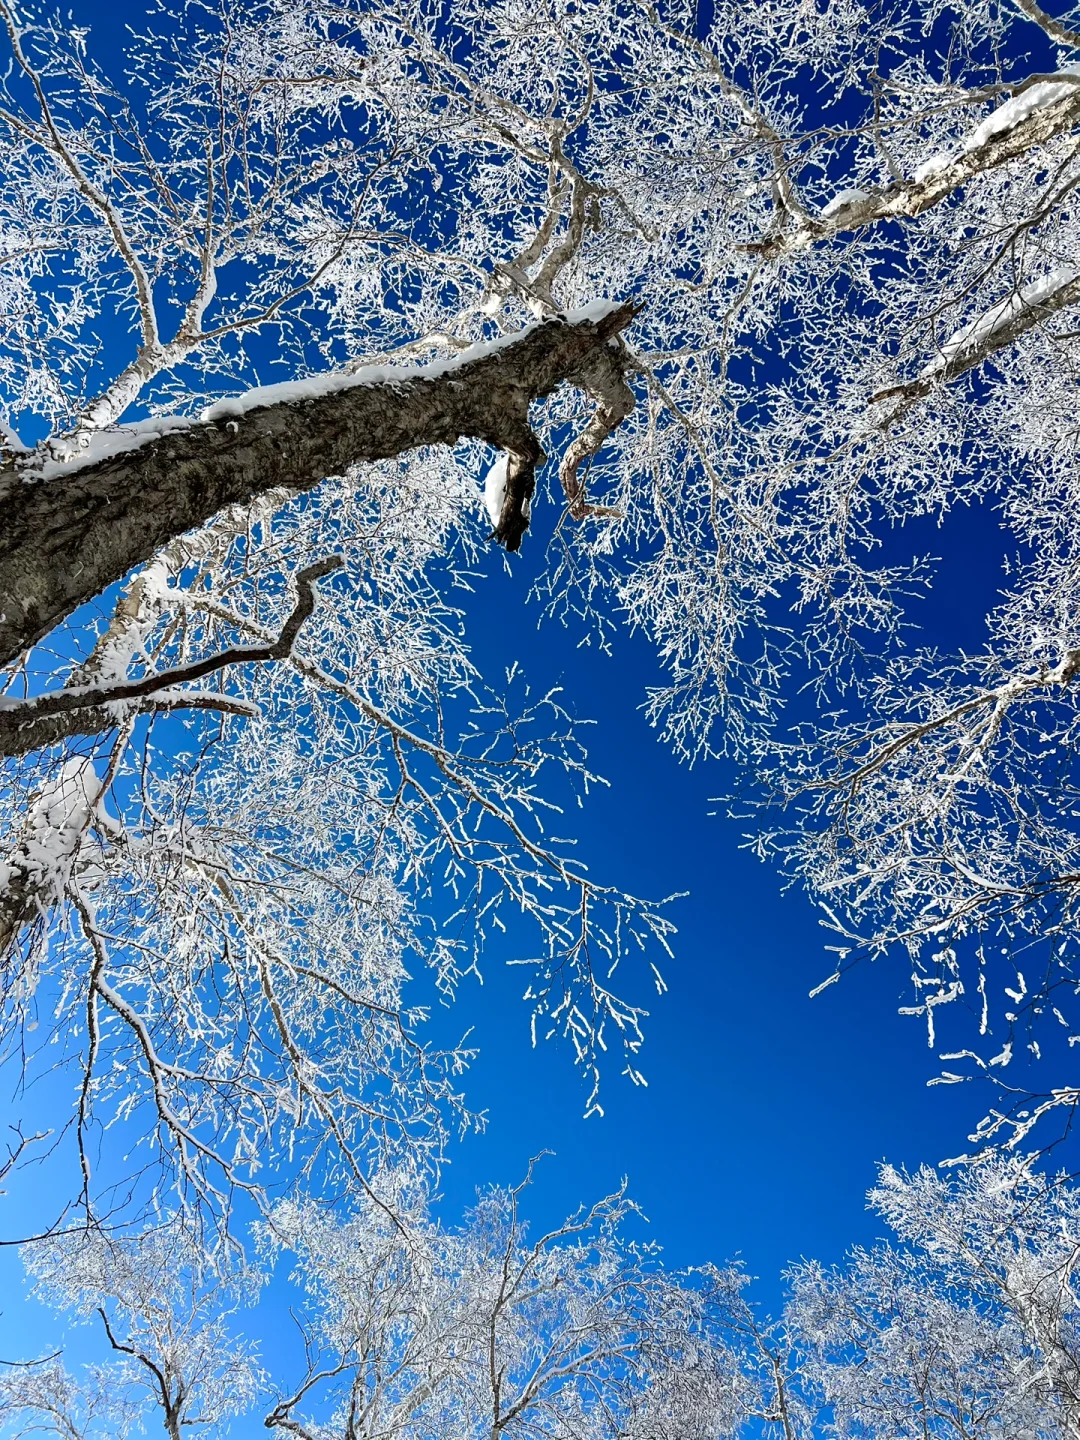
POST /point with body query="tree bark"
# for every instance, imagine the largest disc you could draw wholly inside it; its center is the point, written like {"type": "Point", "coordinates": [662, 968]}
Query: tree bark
{"type": "Point", "coordinates": [65, 538]}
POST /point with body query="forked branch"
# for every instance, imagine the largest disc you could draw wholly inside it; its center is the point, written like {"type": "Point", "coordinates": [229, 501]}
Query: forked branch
{"type": "Point", "coordinates": [69, 530]}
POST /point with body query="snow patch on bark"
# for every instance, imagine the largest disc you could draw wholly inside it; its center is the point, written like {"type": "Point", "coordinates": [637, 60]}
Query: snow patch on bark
{"type": "Point", "coordinates": [316, 386]}
{"type": "Point", "coordinates": [934, 166]}
{"type": "Point", "coordinates": [495, 489]}
{"type": "Point", "coordinates": [1036, 97]}
{"type": "Point", "coordinates": [90, 449]}
{"type": "Point", "coordinates": [1005, 118]}
{"type": "Point", "coordinates": [842, 198]}
{"type": "Point", "coordinates": [56, 822]}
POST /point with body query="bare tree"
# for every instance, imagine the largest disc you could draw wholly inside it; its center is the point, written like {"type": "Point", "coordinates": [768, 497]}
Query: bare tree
{"type": "Point", "coordinates": [967, 1327]}
{"type": "Point", "coordinates": [304, 936]}
{"type": "Point", "coordinates": [164, 1314]}
{"type": "Point", "coordinates": [963, 1327]}
{"type": "Point", "coordinates": [408, 1328]}
{"type": "Point", "coordinates": [483, 1331]}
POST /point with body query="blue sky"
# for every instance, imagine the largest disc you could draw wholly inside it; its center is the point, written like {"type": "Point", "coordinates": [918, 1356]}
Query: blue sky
{"type": "Point", "coordinates": [765, 1111]}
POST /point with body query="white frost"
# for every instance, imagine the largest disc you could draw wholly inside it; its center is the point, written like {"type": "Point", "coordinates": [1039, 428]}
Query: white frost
{"type": "Point", "coordinates": [934, 166]}
{"type": "Point", "coordinates": [1013, 112]}
{"type": "Point", "coordinates": [843, 198]}
{"type": "Point", "coordinates": [495, 489]}
{"type": "Point", "coordinates": [976, 331]}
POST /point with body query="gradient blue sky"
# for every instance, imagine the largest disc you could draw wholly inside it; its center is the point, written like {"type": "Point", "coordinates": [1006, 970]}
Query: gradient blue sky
{"type": "Point", "coordinates": [766, 1111]}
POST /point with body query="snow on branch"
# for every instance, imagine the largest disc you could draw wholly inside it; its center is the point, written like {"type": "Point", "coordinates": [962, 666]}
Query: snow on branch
{"type": "Point", "coordinates": [1040, 109]}
{"type": "Point", "coordinates": [34, 874]}
{"type": "Point", "coordinates": [75, 525]}
{"type": "Point", "coordinates": [998, 328]}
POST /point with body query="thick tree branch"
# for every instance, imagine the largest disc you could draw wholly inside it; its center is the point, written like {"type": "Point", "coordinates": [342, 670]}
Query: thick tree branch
{"type": "Point", "coordinates": [23, 735]}
{"type": "Point", "coordinates": [69, 530]}
{"type": "Point", "coordinates": [1054, 28]}
{"type": "Point", "coordinates": [604, 376]}
{"type": "Point", "coordinates": [999, 328]}
{"type": "Point", "coordinates": [936, 180]}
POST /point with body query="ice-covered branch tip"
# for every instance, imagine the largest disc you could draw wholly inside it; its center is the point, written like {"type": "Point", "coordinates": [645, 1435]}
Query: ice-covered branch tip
{"type": "Point", "coordinates": [27, 725]}
{"type": "Point", "coordinates": [75, 525]}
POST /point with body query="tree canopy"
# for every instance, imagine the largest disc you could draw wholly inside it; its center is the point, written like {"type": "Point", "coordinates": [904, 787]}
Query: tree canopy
{"type": "Point", "coordinates": [296, 311]}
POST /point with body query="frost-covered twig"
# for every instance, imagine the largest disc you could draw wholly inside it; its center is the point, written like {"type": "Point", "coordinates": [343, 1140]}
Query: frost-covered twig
{"type": "Point", "coordinates": [88, 709]}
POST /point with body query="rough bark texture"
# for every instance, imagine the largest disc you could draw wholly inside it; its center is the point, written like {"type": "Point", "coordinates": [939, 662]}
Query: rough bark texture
{"type": "Point", "coordinates": [22, 734]}
{"type": "Point", "coordinates": [63, 540]}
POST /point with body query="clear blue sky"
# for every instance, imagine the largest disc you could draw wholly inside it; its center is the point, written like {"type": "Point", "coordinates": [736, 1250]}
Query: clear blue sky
{"type": "Point", "coordinates": [766, 1111]}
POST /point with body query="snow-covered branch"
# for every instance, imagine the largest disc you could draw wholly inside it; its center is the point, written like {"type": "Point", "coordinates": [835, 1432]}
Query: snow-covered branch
{"type": "Point", "coordinates": [1027, 307]}
{"type": "Point", "coordinates": [74, 526]}
{"type": "Point", "coordinates": [1037, 114]}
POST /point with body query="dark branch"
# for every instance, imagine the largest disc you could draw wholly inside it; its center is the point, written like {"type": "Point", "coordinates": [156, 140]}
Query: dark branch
{"type": "Point", "coordinates": [84, 710]}
{"type": "Point", "coordinates": [65, 538]}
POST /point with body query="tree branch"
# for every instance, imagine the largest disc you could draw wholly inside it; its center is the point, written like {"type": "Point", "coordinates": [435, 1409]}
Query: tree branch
{"type": "Point", "coordinates": [1001, 326]}
{"type": "Point", "coordinates": [907, 199]}
{"type": "Point", "coordinates": [86, 187]}
{"type": "Point", "coordinates": [1054, 28]}
{"type": "Point", "coordinates": [71, 529]}
{"type": "Point", "coordinates": [85, 710]}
